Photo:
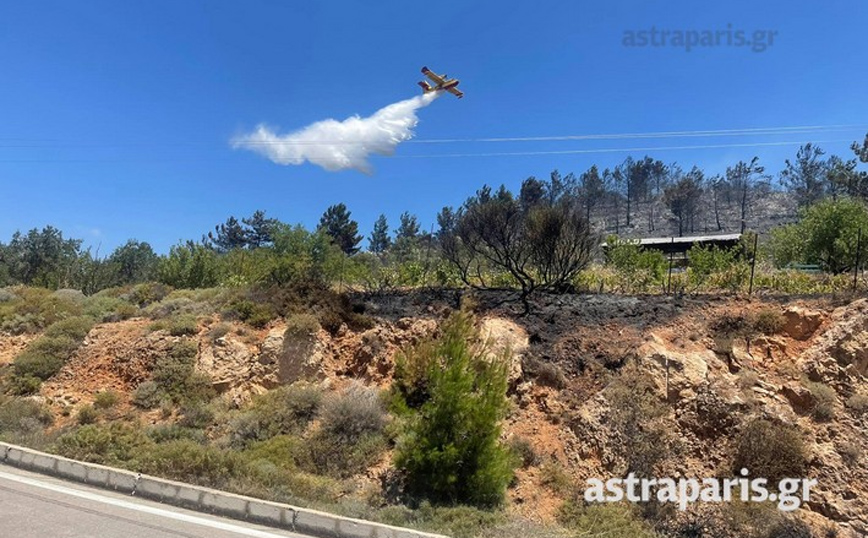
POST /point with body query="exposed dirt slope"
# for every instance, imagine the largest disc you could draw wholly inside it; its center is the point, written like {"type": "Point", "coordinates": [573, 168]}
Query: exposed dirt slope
{"type": "Point", "coordinates": [565, 352]}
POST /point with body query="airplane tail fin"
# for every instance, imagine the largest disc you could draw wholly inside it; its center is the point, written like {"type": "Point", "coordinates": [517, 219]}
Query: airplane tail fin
{"type": "Point", "coordinates": [425, 87]}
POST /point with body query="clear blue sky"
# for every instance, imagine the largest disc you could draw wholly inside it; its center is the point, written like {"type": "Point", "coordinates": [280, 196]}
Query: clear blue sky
{"type": "Point", "coordinates": [115, 117]}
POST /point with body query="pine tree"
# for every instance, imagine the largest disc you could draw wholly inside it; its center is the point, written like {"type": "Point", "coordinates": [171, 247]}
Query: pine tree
{"type": "Point", "coordinates": [379, 241]}
{"type": "Point", "coordinates": [344, 231]}
{"type": "Point", "coordinates": [453, 398]}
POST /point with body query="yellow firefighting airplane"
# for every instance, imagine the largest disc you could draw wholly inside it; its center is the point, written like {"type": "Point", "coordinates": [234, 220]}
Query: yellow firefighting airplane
{"type": "Point", "coordinates": [441, 82]}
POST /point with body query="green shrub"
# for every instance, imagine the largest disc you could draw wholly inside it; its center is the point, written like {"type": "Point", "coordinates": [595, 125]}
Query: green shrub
{"type": "Point", "coordinates": [162, 433]}
{"type": "Point", "coordinates": [255, 314]}
{"type": "Point", "coordinates": [458, 521]}
{"type": "Point", "coordinates": [76, 328]}
{"type": "Point", "coordinates": [147, 395]}
{"type": "Point", "coordinates": [637, 417]}
{"type": "Point", "coordinates": [22, 417]}
{"type": "Point", "coordinates": [767, 321]}
{"type": "Point", "coordinates": [285, 410]}
{"type": "Point", "coordinates": [350, 435]}
{"type": "Point", "coordinates": [449, 446]}
{"type": "Point", "coordinates": [192, 462]}
{"type": "Point", "coordinates": [218, 331]}
{"type": "Point", "coordinates": [769, 450]}
{"type": "Point", "coordinates": [109, 309]}
{"type": "Point", "coordinates": [280, 450]}
{"type": "Point", "coordinates": [106, 399]}
{"type": "Point", "coordinates": [609, 520]}
{"type": "Point", "coordinates": [706, 262]}
{"type": "Point", "coordinates": [183, 326]}
{"type": "Point", "coordinates": [116, 443]}
{"type": "Point", "coordinates": [23, 385]}
{"type": "Point", "coordinates": [196, 415]}
{"type": "Point", "coordinates": [301, 325]}
{"type": "Point", "coordinates": [523, 451]}
{"type": "Point", "coordinates": [554, 477]}
{"type": "Point", "coordinates": [824, 396]}
{"type": "Point", "coordinates": [87, 415]}
{"type": "Point", "coordinates": [825, 235]}
{"type": "Point", "coordinates": [637, 270]}
{"type": "Point", "coordinates": [46, 355]}
{"type": "Point", "coordinates": [38, 366]}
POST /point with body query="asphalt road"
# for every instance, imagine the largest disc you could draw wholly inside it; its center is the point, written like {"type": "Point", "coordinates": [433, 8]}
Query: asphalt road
{"type": "Point", "coordinates": [37, 506]}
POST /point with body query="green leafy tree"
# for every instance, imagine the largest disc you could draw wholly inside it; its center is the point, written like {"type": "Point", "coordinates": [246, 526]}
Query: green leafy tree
{"type": "Point", "coordinates": [452, 397]}
{"type": "Point", "coordinates": [341, 228]}
{"type": "Point", "coordinates": [825, 235]}
{"type": "Point", "coordinates": [190, 265]}
{"type": "Point", "coordinates": [133, 262]}
{"type": "Point", "coordinates": [379, 242]}
{"type": "Point", "coordinates": [42, 258]}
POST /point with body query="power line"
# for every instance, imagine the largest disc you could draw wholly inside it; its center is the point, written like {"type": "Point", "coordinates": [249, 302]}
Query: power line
{"type": "Point", "coordinates": [23, 143]}
{"type": "Point", "coordinates": [465, 155]}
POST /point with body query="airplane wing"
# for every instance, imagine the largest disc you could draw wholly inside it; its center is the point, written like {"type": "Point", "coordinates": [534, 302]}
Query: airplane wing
{"type": "Point", "coordinates": [433, 76]}
{"type": "Point", "coordinates": [456, 92]}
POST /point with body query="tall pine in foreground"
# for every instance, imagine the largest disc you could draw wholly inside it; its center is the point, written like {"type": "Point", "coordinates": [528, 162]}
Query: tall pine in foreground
{"type": "Point", "coordinates": [451, 395]}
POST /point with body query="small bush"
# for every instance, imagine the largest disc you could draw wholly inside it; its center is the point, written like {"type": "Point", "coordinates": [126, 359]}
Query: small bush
{"type": "Point", "coordinates": [280, 451]}
{"type": "Point", "coordinates": [192, 462]}
{"type": "Point", "coordinates": [553, 476]}
{"type": "Point", "coordinates": [23, 385]}
{"type": "Point", "coordinates": [255, 314]}
{"type": "Point", "coordinates": [851, 453]}
{"type": "Point", "coordinates": [770, 450]}
{"type": "Point", "coordinates": [767, 321]}
{"type": "Point", "coordinates": [350, 437]}
{"type": "Point", "coordinates": [638, 417]}
{"type": "Point", "coordinates": [458, 521]}
{"type": "Point", "coordinates": [106, 399]}
{"type": "Point", "coordinates": [551, 375]}
{"type": "Point", "coordinates": [219, 331]}
{"type": "Point", "coordinates": [285, 410]}
{"type": "Point", "coordinates": [116, 443]}
{"type": "Point", "coordinates": [37, 366]}
{"type": "Point", "coordinates": [523, 450]}
{"type": "Point", "coordinates": [858, 404]}
{"type": "Point", "coordinates": [87, 415]}
{"type": "Point", "coordinates": [184, 325]}
{"type": "Point", "coordinates": [609, 520]}
{"type": "Point", "coordinates": [196, 416]}
{"type": "Point", "coordinates": [46, 355]}
{"type": "Point", "coordinates": [301, 325]}
{"type": "Point", "coordinates": [147, 395]}
{"type": "Point", "coordinates": [163, 433]}
{"type": "Point", "coordinates": [21, 417]}
{"type": "Point", "coordinates": [824, 401]}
